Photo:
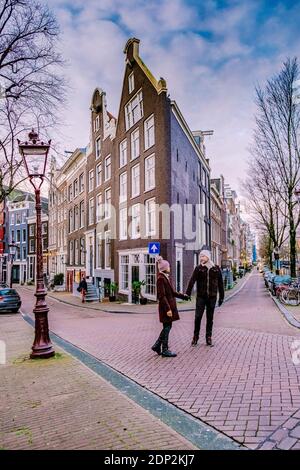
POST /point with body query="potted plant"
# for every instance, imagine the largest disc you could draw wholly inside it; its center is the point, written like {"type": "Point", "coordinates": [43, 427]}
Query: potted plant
{"type": "Point", "coordinates": [137, 294]}
{"type": "Point", "coordinates": [113, 290]}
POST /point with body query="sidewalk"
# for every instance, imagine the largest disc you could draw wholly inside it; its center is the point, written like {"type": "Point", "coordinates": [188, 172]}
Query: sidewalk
{"type": "Point", "coordinates": [114, 307]}
{"type": "Point", "coordinates": [59, 403]}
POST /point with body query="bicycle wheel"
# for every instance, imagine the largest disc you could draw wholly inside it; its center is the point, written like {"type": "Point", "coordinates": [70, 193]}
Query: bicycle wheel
{"type": "Point", "coordinates": [293, 297]}
{"type": "Point", "coordinates": [283, 296]}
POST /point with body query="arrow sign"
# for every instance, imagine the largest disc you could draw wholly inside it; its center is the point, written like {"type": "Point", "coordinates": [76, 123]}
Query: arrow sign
{"type": "Point", "coordinates": [154, 248]}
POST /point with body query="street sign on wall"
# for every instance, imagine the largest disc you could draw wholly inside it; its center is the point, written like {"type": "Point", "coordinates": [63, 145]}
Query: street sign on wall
{"type": "Point", "coordinates": [154, 248]}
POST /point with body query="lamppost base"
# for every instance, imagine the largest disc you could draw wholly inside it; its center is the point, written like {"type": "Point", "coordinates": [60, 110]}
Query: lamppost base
{"type": "Point", "coordinates": [42, 353]}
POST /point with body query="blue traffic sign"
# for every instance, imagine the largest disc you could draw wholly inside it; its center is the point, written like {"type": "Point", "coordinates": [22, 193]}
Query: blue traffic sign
{"type": "Point", "coordinates": [154, 248]}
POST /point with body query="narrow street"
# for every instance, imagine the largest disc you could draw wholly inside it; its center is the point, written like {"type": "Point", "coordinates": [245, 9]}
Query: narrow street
{"type": "Point", "coordinates": [246, 386]}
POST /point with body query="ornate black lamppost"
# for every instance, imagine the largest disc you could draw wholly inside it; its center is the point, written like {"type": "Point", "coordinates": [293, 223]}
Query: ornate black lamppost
{"type": "Point", "coordinates": [34, 153]}
{"type": "Point", "coordinates": [12, 253]}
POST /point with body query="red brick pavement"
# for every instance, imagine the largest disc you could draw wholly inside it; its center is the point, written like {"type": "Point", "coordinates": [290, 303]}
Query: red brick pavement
{"type": "Point", "coordinates": [246, 386]}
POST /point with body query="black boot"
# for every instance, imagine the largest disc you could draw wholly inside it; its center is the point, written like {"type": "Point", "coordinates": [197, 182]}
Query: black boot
{"type": "Point", "coordinates": [195, 340]}
{"type": "Point", "coordinates": [167, 353]}
{"type": "Point", "coordinates": [209, 341]}
{"type": "Point", "coordinates": [157, 347]}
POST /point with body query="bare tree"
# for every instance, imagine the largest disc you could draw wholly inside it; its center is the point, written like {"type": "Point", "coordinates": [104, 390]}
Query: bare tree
{"type": "Point", "coordinates": [275, 153]}
{"type": "Point", "coordinates": [32, 87]}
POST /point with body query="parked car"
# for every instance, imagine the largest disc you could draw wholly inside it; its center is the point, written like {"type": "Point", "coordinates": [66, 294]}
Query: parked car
{"type": "Point", "coordinates": [9, 300]}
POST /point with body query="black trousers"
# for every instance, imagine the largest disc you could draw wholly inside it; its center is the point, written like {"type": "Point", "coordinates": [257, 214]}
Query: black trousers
{"type": "Point", "coordinates": [201, 303]}
{"type": "Point", "coordinates": [163, 338]}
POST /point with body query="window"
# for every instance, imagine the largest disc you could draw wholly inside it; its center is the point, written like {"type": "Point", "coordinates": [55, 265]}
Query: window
{"type": "Point", "coordinates": [123, 187]}
{"type": "Point", "coordinates": [123, 224]}
{"type": "Point", "coordinates": [76, 252]}
{"type": "Point", "coordinates": [24, 253]}
{"type": "Point", "coordinates": [31, 230]}
{"type": "Point", "coordinates": [98, 207]}
{"type": "Point", "coordinates": [70, 193]}
{"type": "Point", "coordinates": [23, 217]}
{"type": "Point", "coordinates": [150, 173]}
{"type": "Point", "coordinates": [75, 187]}
{"type": "Point", "coordinates": [107, 250]}
{"type": "Point", "coordinates": [123, 153]}
{"type": "Point", "coordinates": [98, 148]}
{"type": "Point", "coordinates": [18, 218]}
{"type": "Point", "coordinates": [97, 124]}
{"type": "Point", "coordinates": [70, 220]}
{"type": "Point", "coordinates": [124, 271]}
{"type": "Point", "coordinates": [135, 181]}
{"type": "Point", "coordinates": [12, 219]}
{"type": "Point", "coordinates": [107, 204]}
{"type": "Point", "coordinates": [31, 246]}
{"type": "Point", "coordinates": [71, 252]}
{"type": "Point", "coordinates": [135, 144]}
{"type": "Point", "coordinates": [81, 183]}
{"type": "Point", "coordinates": [99, 248]}
{"type": "Point", "coordinates": [13, 235]}
{"type": "Point", "coordinates": [107, 168]}
{"type": "Point", "coordinates": [81, 214]}
{"type": "Point", "coordinates": [44, 244]}
{"type": "Point", "coordinates": [131, 82]}
{"type": "Point", "coordinates": [18, 236]}
{"type": "Point", "coordinates": [76, 218]}
{"type": "Point", "coordinates": [149, 133]}
{"type": "Point", "coordinates": [44, 228]}
{"type": "Point", "coordinates": [91, 211]}
{"type": "Point", "coordinates": [82, 251]}
{"type": "Point", "coordinates": [134, 110]}
{"type": "Point", "coordinates": [150, 217]}
{"type": "Point", "coordinates": [91, 180]}
{"type": "Point", "coordinates": [150, 275]}
{"type": "Point", "coordinates": [98, 175]}
{"type": "Point", "coordinates": [24, 235]}
{"type": "Point", "coordinates": [135, 226]}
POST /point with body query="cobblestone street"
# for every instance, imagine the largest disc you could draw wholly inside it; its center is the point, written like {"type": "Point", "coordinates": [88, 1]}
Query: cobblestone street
{"type": "Point", "coordinates": [246, 386]}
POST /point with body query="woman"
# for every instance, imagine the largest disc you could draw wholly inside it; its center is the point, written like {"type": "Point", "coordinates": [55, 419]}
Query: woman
{"type": "Point", "coordinates": [83, 289]}
{"type": "Point", "coordinates": [167, 307]}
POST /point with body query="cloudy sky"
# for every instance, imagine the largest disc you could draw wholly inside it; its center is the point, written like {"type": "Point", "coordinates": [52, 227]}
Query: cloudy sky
{"type": "Point", "coordinates": [211, 53]}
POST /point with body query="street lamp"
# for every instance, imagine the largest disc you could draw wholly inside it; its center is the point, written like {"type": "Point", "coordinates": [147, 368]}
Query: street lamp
{"type": "Point", "coordinates": [34, 153]}
{"type": "Point", "coordinates": [276, 256]}
{"type": "Point", "coordinates": [12, 252]}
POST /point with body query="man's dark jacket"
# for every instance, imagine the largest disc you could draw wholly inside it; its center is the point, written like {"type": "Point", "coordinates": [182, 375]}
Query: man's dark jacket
{"type": "Point", "coordinates": [204, 287]}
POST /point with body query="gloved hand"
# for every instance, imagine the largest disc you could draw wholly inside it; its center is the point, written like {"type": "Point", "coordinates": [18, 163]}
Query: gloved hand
{"type": "Point", "coordinates": [186, 297]}
{"type": "Point", "coordinates": [220, 302]}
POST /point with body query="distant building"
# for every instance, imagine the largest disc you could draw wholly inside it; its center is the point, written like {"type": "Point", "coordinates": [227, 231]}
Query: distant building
{"type": "Point", "coordinates": [31, 247]}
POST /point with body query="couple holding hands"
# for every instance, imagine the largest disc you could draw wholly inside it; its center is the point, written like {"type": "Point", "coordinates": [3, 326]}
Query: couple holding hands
{"type": "Point", "coordinates": [209, 281]}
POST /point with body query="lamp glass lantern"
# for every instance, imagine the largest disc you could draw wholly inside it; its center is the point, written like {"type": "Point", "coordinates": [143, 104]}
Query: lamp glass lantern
{"type": "Point", "coordinates": [34, 153]}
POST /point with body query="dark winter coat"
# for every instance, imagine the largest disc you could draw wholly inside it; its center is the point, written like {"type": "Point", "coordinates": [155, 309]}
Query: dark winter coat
{"type": "Point", "coordinates": [166, 298]}
{"type": "Point", "coordinates": [83, 285]}
{"type": "Point", "coordinates": [204, 287]}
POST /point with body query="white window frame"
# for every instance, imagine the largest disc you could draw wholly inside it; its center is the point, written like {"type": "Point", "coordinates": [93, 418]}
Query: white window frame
{"type": "Point", "coordinates": [107, 168]}
{"type": "Point", "coordinates": [98, 174]}
{"type": "Point", "coordinates": [91, 180]}
{"type": "Point", "coordinates": [135, 144]}
{"type": "Point", "coordinates": [133, 181]}
{"type": "Point", "coordinates": [107, 236]}
{"type": "Point", "coordinates": [123, 224]}
{"type": "Point", "coordinates": [107, 208]}
{"type": "Point", "coordinates": [124, 262]}
{"type": "Point", "coordinates": [99, 207]}
{"type": "Point", "coordinates": [97, 123]}
{"type": "Point", "coordinates": [148, 185]}
{"type": "Point", "coordinates": [147, 142]}
{"type": "Point", "coordinates": [136, 103]}
{"type": "Point", "coordinates": [81, 214]}
{"type": "Point", "coordinates": [147, 205]}
{"type": "Point", "coordinates": [131, 82]}
{"type": "Point", "coordinates": [123, 153]}
{"type": "Point", "coordinates": [135, 221]}
{"type": "Point", "coordinates": [81, 183]}
{"type": "Point", "coordinates": [91, 213]}
{"type": "Point", "coordinates": [123, 187]}
{"type": "Point", "coordinates": [98, 147]}
{"type": "Point", "coordinates": [99, 252]}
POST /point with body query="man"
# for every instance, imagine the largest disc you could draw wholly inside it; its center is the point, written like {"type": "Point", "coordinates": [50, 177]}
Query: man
{"type": "Point", "coordinates": [209, 282]}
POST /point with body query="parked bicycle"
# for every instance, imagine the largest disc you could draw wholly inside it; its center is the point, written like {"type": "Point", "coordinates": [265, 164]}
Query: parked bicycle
{"type": "Point", "coordinates": [291, 294]}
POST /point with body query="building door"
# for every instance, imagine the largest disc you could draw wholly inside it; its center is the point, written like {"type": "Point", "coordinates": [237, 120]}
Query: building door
{"type": "Point", "coordinates": [135, 276]}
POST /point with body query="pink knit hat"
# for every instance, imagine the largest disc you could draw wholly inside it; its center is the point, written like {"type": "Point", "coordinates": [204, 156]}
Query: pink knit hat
{"type": "Point", "coordinates": [162, 264]}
